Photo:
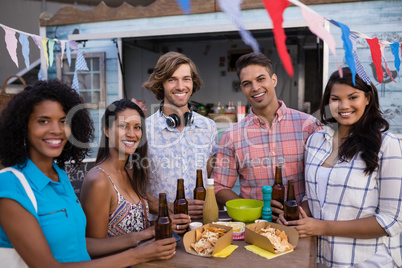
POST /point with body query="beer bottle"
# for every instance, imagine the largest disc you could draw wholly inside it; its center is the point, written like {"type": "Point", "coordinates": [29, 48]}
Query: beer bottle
{"type": "Point", "coordinates": [211, 210]}
{"type": "Point", "coordinates": [291, 208]}
{"type": "Point", "coordinates": [163, 224]}
{"type": "Point", "coordinates": [180, 203]}
{"type": "Point", "coordinates": [199, 190]}
{"type": "Point", "coordinates": [278, 189]}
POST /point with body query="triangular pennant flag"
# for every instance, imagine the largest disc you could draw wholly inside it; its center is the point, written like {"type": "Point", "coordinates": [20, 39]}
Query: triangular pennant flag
{"type": "Point", "coordinates": [37, 40]}
{"type": "Point", "coordinates": [348, 46]}
{"type": "Point", "coordinates": [51, 46]}
{"type": "Point", "coordinates": [80, 65]}
{"type": "Point", "coordinates": [359, 67]}
{"type": "Point", "coordinates": [395, 52]}
{"type": "Point", "coordinates": [68, 53]}
{"type": "Point", "coordinates": [382, 46]}
{"type": "Point", "coordinates": [63, 47]}
{"type": "Point", "coordinates": [44, 46]}
{"type": "Point", "coordinates": [74, 45]}
{"type": "Point", "coordinates": [232, 9]}
{"type": "Point", "coordinates": [275, 10]}
{"type": "Point", "coordinates": [25, 48]}
{"type": "Point", "coordinates": [11, 43]}
{"type": "Point", "coordinates": [75, 84]}
{"type": "Point", "coordinates": [376, 57]}
{"type": "Point", "coordinates": [316, 25]}
{"type": "Point", "coordinates": [80, 62]}
{"type": "Point", "coordinates": [185, 6]}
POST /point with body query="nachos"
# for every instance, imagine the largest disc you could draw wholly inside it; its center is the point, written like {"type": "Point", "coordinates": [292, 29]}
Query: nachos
{"type": "Point", "coordinates": [278, 238]}
{"type": "Point", "coordinates": [206, 241]}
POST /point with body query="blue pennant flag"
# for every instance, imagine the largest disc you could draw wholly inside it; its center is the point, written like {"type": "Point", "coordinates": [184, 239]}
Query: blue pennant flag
{"type": "Point", "coordinates": [25, 48]}
{"type": "Point", "coordinates": [185, 6]}
{"type": "Point", "coordinates": [347, 45]}
{"type": "Point", "coordinates": [395, 52]}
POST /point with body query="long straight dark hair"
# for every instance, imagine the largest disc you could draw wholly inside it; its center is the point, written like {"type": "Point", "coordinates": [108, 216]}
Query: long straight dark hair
{"type": "Point", "coordinates": [365, 134]}
{"type": "Point", "coordinates": [138, 169]}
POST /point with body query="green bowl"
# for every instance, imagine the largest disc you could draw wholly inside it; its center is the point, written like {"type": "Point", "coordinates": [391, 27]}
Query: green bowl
{"type": "Point", "coordinates": [245, 210]}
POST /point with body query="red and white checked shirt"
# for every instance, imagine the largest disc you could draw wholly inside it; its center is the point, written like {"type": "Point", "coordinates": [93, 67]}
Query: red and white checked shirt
{"type": "Point", "coordinates": [250, 150]}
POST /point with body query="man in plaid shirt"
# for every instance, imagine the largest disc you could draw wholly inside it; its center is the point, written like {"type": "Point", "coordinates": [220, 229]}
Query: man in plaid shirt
{"type": "Point", "coordinates": [271, 134]}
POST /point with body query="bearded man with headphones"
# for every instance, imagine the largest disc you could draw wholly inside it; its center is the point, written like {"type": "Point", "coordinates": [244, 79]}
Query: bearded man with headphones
{"type": "Point", "coordinates": [180, 140]}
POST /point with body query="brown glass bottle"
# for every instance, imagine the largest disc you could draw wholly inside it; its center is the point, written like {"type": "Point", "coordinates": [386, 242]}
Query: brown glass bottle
{"type": "Point", "coordinates": [278, 189]}
{"type": "Point", "coordinates": [291, 208]}
{"type": "Point", "coordinates": [180, 204]}
{"type": "Point", "coordinates": [199, 190]}
{"type": "Point", "coordinates": [163, 224]}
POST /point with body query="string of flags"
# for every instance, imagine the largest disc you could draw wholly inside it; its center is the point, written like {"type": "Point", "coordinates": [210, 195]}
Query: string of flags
{"type": "Point", "coordinates": [315, 22]}
{"type": "Point", "coordinates": [232, 8]}
{"type": "Point", "coordinates": [47, 46]}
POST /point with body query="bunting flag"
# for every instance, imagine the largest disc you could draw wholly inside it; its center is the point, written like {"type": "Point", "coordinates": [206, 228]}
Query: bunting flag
{"type": "Point", "coordinates": [38, 41]}
{"type": "Point", "coordinates": [44, 46]}
{"type": "Point", "coordinates": [75, 84]}
{"type": "Point", "coordinates": [232, 9]}
{"type": "Point", "coordinates": [63, 47]}
{"type": "Point", "coordinates": [25, 48]}
{"type": "Point", "coordinates": [51, 46]}
{"type": "Point", "coordinates": [376, 57]}
{"type": "Point", "coordinates": [359, 67]}
{"type": "Point", "coordinates": [316, 25]}
{"type": "Point", "coordinates": [185, 6]}
{"type": "Point", "coordinates": [11, 43]}
{"type": "Point", "coordinates": [382, 46]}
{"type": "Point", "coordinates": [73, 45]}
{"type": "Point", "coordinates": [395, 52]}
{"type": "Point", "coordinates": [80, 65]}
{"type": "Point", "coordinates": [68, 53]}
{"type": "Point", "coordinates": [275, 10]}
{"type": "Point", "coordinates": [348, 47]}
{"type": "Point", "coordinates": [80, 62]}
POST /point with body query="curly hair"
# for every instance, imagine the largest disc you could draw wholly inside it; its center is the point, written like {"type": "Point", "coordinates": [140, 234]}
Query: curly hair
{"type": "Point", "coordinates": [164, 69]}
{"type": "Point", "coordinates": [365, 134]}
{"type": "Point", "coordinates": [253, 58]}
{"type": "Point", "coordinates": [140, 165]}
{"type": "Point", "coordinates": [15, 117]}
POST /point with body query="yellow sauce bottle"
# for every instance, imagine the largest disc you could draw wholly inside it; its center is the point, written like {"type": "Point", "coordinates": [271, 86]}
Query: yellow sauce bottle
{"type": "Point", "coordinates": [211, 210]}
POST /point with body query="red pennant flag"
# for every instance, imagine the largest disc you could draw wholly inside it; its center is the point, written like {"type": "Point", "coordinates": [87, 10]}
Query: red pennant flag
{"type": "Point", "coordinates": [376, 56]}
{"type": "Point", "coordinates": [275, 10]}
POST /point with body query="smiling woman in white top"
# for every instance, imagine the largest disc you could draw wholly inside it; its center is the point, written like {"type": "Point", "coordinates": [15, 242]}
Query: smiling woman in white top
{"type": "Point", "coordinates": [353, 180]}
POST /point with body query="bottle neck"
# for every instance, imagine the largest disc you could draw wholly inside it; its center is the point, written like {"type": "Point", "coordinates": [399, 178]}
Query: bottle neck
{"type": "Point", "coordinates": [163, 208]}
{"type": "Point", "coordinates": [291, 191]}
{"type": "Point", "coordinates": [278, 175]}
{"type": "Point", "coordinates": [180, 189]}
{"type": "Point", "coordinates": [200, 182]}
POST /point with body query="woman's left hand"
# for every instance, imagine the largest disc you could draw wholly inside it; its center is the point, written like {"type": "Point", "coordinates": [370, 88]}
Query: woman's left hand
{"type": "Point", "coordinates": [180, 223]}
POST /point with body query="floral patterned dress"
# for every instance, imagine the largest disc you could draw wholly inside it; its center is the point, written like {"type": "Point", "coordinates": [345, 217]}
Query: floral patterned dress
{"type": "Point", "coordinates": [127, 217]}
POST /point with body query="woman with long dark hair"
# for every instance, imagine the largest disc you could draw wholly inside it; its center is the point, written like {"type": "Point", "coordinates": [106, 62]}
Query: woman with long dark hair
{"type": "Point", "coordinates": [39, 132]}
{"type": "Point", "coordinates": [113, 193]}
{"type": "Point", "coordinates": [353, 180]}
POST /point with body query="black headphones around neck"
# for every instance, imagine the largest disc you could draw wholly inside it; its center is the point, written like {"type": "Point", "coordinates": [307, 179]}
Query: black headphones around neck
{"type": "Point", "coordinates": [173, 120]}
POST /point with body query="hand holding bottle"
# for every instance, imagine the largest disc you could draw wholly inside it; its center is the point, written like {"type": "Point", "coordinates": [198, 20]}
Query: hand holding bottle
{"type": "Point", "coordinates": [180, 223]}
{"type": "Point", "coordinates": [163, 249]}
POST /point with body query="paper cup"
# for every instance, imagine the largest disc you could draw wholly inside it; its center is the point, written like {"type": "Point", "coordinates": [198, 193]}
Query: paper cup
{"type": "Point", "coordinates": [195, 225]}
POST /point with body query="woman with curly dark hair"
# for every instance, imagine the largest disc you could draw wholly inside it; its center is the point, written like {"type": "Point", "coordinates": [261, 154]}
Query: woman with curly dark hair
{"type": "Point", "coordinates": [353, 179]}
{"type": "Point", "coordinates": [44, 222]}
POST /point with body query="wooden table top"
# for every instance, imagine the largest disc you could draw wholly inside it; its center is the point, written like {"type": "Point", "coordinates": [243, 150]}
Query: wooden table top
{"type": "Point", "coordinates": [304, 255]}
